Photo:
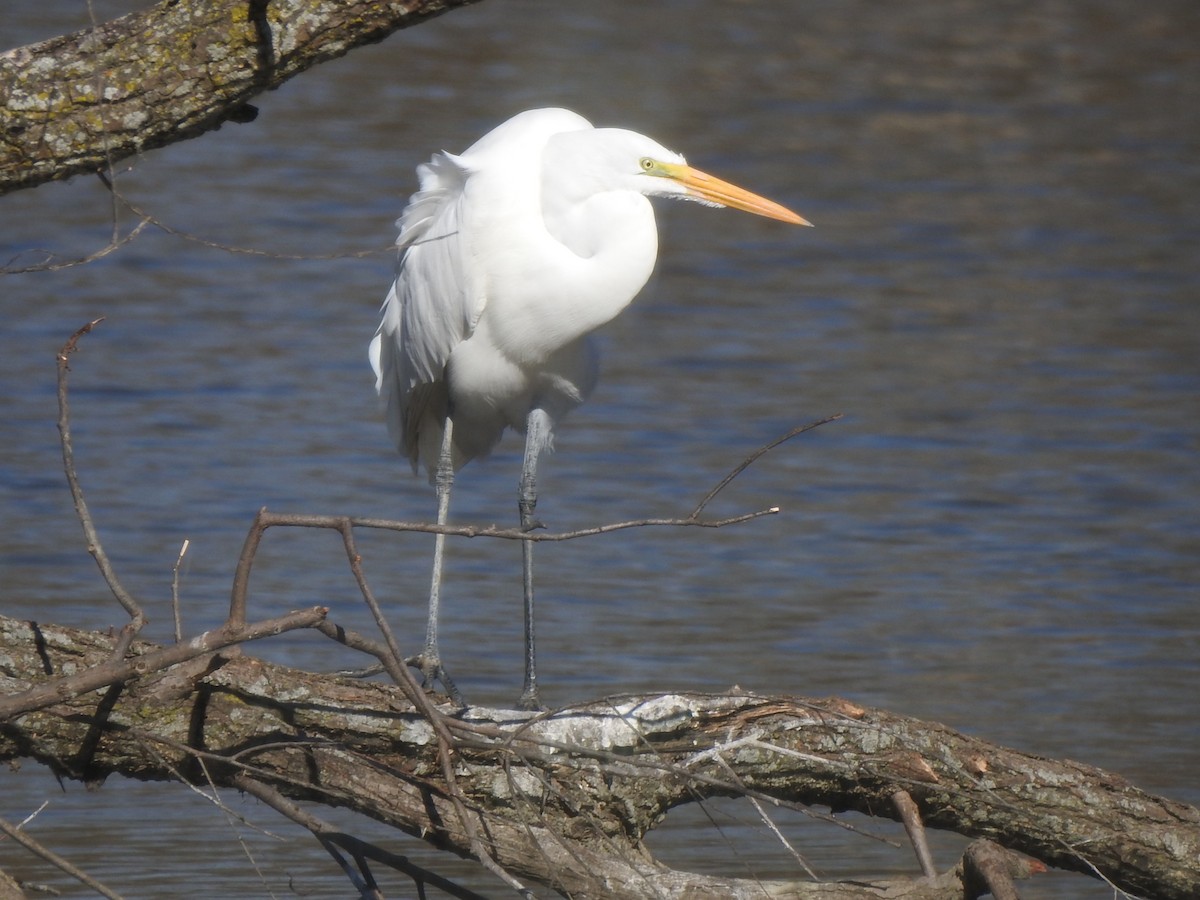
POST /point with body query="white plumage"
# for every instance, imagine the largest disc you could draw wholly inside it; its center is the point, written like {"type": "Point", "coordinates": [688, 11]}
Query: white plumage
{"type": "Point", "coordinates": [510, 255]}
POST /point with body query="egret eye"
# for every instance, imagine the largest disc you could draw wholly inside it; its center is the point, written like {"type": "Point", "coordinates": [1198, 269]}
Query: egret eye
{"type": "Point", "coordinates": [647, 164]}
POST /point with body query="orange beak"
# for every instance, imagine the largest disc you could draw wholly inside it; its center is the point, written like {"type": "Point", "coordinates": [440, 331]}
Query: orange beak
{"type": "Point", "coordinates": [713, 190]}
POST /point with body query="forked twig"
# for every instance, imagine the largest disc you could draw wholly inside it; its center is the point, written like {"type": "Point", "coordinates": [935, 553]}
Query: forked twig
{"type": "Point", "coordinates": [150, 219]}
{"type": "Point", "coordinates": [108, 178]}
{"type": "Point", "coordinates": [266, 519]}
{"type": "Point", "coordinates": [51, 262]}
{"type": "Point", "coordinates": [753, 457]}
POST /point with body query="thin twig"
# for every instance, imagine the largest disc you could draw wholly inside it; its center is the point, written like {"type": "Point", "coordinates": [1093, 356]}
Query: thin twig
{"type": "Point", "coordinates": [325, 832]}
{"type": "Point", "coordinates": [148, 742]}
{"type": "Point", "coordinates": [89, 530]}
{"type": "Point", "coordinates": [34, 846]}
{"type": "Point", "coordinates": [241, 575]}
{"type": "Point", "coordinates": [49, 266]}
{"type": "Point", "coordinates": [366, 887]}
{"type": "Point", "coordinates": [308, 520]}
{"type": "Point", "coordinates": [766, 819]}
{"type": "Point", "coordinates": [381, 622]}
{"type": "Point", "coordinates": [108, 178]}
{"type": "Point", "coordinates": [750, 460]}
{"type": "Point", "coordinates": [441, 723]}
{"type": "Point", "coordinates": [267, 519]}
{"type": "Point", "coordinates": [148, 218]}
{"type": "Point", "coordinates": [175, 590]}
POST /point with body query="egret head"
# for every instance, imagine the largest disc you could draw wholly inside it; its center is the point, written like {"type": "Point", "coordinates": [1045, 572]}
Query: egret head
{"type": "Point", "coordinates": [674, 177]}
{"type": "Point", "coordinates": [606, 159]}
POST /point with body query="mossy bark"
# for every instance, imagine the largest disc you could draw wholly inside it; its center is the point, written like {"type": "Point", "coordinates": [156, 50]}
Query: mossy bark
{"type": "Point", "coordinates": [81, 102]}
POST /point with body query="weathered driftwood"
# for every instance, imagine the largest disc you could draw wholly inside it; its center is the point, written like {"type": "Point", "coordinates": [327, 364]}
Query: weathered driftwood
{"type": "Point", "coordinates": [565, 799]}
{"type": "Point", "coordinates": [80, 102]}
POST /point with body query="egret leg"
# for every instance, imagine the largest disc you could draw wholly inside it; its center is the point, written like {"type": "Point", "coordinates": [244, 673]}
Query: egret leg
{"type": "Point", "coordinates": [537, 433]}
{"type": "Point", "coordinates": [430, 660]}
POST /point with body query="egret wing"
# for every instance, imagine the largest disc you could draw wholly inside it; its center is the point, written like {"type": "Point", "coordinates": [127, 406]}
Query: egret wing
{"type": "Point", "coordinates": [432, 306]}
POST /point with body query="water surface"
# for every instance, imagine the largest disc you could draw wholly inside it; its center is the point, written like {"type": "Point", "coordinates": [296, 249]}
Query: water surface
{"type": "Point", "coordinates": [1002, 534]}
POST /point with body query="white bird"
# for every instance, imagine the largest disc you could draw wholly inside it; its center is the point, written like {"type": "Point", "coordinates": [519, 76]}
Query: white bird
{"type": "Point", "coordinates": [510, 255]}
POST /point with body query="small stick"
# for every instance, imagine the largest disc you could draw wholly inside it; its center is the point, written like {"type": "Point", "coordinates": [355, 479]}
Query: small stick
{"type": "Point", "coordinates": [33, 846]}
{"type": "Point", "coordinates": [750, 460]}
{"type": "Point", "coordinates": [175, 590]}
{"type": "Point", "coordinates": [138, 619]}
{"type": "Point", "coordinates": [330, 837]}
{"type": "Point", "coordinates": [910, 815]}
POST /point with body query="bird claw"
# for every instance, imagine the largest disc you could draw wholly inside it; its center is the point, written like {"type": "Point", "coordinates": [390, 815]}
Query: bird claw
{"type": "Point", "coordinates": [532, 524]}
{"type": "Point", "coordinates": [433, 673]}
{"type": "Point", "coordinates": [531, 702]}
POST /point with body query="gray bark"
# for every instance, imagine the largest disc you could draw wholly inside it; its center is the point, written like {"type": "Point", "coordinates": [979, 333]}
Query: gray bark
{"type": "Point", "coordinates": [565, 800]}
{"type": "Point", "coordinates": [81, 102]}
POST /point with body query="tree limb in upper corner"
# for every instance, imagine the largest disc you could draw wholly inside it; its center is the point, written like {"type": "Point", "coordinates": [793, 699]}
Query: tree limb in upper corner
{"type": "Point", "coordinates": [81, 102]}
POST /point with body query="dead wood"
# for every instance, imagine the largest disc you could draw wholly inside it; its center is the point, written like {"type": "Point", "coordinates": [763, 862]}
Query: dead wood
{"type": "Point", "coordinates": [564, 799]}
{"type": "Point", "coordinates": [84, 101]}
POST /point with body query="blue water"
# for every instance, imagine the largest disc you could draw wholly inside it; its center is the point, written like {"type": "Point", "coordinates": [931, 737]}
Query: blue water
{"type": "Point", "coordinates": [1001, 295]}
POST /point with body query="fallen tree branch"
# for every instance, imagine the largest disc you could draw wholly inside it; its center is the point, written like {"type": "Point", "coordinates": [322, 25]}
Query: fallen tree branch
{"type": "Point", "coordinates": [82, 102]}
{"type": "Point", "coordinates": [565, 799]}
{"type": "Point", "coordinates": [94, 677]}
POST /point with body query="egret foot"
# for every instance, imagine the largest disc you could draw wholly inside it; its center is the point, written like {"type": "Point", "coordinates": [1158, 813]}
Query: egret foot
{"type": "Point", "coordinates": [433, 673]}
{"type": "Point", "coordinates": [530, 701]}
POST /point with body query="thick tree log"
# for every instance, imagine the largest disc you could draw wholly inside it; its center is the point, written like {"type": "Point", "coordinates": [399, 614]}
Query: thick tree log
{"type": "Point", "coordinates": [83, 101]}
{"type": "Point", "coordinates": [565, 799]}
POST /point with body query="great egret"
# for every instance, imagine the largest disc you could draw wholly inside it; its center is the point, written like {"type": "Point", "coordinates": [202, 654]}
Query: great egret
{"type": "Point", "coordinates": [510, 255]}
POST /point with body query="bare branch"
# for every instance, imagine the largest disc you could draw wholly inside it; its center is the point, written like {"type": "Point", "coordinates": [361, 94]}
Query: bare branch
{"type": "Point", "coordinates": [34, 846]}
{"type": "Point", "coordinates": [565, 799]}
{"type": "Point", "coordinates": [52, 263]}
{"type": "Point", "coordinates": [329, 835]}
{"type": "Point", "coordinates": [175, 590]}
{"type": "Point", "coordinates": [94, 546]}
{"type": "Point", "coordinates": [910, 815]}
{"type": "Point", "coordinates": [118, 670]}
{"type": "Point", "coordinates": [148, 219]}
{"type": "Point", "coordinates": [82, 102]}
{"type": "Point", "coordinates": [753, 457]}
{"type": "Point", "coordinates": [307, 520]}
{"type": "Point", "coordinates": [266, 519]}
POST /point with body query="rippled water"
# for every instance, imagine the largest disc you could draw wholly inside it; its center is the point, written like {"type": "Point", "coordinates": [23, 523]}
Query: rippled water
{"type": "Point", "coordinates": [1002, 534]}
